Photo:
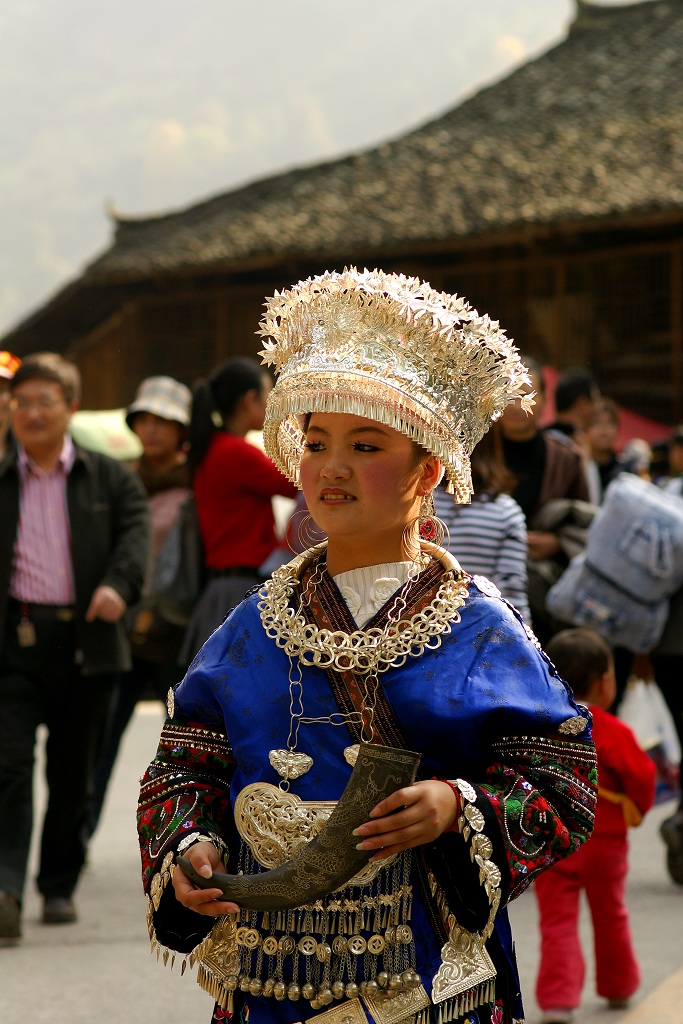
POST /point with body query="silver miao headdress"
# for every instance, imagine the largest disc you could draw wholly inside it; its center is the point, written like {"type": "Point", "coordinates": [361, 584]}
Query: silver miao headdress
{"type": "Point", "coordinates": [392, 349]}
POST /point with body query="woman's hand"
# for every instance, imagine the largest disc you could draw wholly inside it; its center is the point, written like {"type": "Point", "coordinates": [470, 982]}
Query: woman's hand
{"type": "Point", "coordinates": [205, 860]}
{"type": "Point", "coordinates": [426, 810]}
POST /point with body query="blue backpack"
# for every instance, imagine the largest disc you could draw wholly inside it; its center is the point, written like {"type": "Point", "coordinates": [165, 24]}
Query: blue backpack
{"type": "Point", "coordinates": [632, 564]}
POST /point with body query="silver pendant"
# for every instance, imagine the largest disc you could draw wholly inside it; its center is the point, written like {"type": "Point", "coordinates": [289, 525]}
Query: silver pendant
{"type": "Point", "coordinates": [276, 825]}
{"type": "Point", "coordinates": [351, 754]}
{"type": "Point", "coordinates": [289, 763]}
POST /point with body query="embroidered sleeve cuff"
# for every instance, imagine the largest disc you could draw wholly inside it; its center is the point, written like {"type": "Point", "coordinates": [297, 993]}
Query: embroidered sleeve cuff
{"type": "Point", "coordinates": [169, 923]}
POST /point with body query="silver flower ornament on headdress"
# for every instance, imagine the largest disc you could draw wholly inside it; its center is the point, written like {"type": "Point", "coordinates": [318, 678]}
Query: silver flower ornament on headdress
{"type": "Point", "coordinates": [394, 350]}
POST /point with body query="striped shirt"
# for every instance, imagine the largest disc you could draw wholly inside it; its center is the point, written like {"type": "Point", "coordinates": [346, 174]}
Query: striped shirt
{"type": "Point", "coordinates": [489, 539]}
{"type": "Point", "coordinates": [42, 571]}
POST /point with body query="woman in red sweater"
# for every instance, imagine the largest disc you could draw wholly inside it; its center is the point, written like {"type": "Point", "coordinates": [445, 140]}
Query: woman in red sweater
{"type": "Point", "coordinates": [233, 484]}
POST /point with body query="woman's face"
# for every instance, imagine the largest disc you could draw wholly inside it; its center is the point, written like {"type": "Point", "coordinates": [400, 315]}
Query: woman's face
{"type": "Point", "coordinates": [363, 483]}
{"type": "Point", "coordinates": [160, 438]}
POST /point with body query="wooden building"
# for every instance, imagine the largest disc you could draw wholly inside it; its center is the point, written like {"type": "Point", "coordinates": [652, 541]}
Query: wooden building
{"type": "Point", "coordinates": [552, 200]}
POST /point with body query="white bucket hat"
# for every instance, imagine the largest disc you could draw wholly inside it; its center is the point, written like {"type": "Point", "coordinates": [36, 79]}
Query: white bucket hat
{"type": "Point", "coordinates": [164, 397]}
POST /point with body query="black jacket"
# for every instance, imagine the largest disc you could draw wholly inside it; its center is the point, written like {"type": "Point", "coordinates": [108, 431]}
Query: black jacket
{"type": "Point", "coordinates": [110, 532]}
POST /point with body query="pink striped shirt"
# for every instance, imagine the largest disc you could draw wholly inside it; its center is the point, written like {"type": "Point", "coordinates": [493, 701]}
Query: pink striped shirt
{"type": "Point", "coordinates": [42, 572]}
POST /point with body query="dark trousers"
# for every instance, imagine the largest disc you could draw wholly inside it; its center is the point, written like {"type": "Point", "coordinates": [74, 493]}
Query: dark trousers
{"type": "Point", "coordinates": [42, 684]}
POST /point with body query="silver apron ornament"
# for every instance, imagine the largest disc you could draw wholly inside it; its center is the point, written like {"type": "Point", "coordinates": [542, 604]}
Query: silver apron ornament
{"type": "Point", "coordinates": [331, 858]}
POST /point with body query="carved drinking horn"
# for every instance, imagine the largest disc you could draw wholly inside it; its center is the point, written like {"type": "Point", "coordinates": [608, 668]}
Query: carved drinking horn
{"type": "Point", "coordinates": [331, 858]}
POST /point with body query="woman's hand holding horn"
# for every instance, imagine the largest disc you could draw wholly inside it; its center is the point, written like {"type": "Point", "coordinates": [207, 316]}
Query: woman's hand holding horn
{"type": "Point", "coordinates": [205, 860]}
{"type": "Point", "coordinates": [409, 817]}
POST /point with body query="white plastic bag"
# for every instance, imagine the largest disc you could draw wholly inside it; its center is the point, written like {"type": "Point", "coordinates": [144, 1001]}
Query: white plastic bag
{"type": "Point", "coordinates": [643, 708]}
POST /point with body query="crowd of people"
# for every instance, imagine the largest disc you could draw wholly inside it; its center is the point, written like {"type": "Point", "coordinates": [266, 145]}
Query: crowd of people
{"type": "Point", "coordinates": [90, 630]}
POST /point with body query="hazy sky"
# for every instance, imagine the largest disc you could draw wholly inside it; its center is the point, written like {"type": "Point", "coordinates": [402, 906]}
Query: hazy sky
{"type": "Point", "coordinates": [155, 104]}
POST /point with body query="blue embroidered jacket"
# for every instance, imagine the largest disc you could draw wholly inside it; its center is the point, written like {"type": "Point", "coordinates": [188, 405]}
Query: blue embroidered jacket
{"type": "Point", "coordinates": [485, 707]}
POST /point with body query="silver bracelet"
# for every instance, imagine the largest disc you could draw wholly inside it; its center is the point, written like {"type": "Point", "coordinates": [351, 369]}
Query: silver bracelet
{"type": "Point", "coordinates": [199, 837]}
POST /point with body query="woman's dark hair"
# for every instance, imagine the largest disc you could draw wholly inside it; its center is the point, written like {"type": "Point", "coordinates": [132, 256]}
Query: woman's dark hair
{"type": "Point", "coordinates": [490, 475]}
{"type": "Point", "coordinates": [215, 399]}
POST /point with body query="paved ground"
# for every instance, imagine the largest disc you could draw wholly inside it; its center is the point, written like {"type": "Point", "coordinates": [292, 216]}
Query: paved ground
{"type": "Point", "coordinates": [656, 909]}
{"type": "Point", "coordinates": [100, 969]}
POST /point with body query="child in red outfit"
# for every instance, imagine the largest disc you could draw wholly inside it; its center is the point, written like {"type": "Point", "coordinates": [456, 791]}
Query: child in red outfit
{"type": "Point", "coordinates": [626, 780]}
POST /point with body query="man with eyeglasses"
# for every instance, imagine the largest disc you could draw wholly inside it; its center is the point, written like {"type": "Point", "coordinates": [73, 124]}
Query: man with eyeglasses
{"type": "Point", "coordinates": [74, 535]}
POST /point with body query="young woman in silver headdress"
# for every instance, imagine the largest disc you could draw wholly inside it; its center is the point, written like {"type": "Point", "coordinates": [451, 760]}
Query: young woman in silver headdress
{"type": "Point", "coordinates": [304, 887]}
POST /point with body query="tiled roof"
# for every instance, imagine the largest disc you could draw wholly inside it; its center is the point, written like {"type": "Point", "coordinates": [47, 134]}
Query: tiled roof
{"type": "Point", "coordinates": [592, 129]}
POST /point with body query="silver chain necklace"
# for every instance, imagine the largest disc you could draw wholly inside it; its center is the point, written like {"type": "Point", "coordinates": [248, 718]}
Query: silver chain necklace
{"type": "Point", "coordinates": [365, 652]}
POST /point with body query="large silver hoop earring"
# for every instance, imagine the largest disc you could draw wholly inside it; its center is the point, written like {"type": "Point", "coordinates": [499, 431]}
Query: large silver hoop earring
{"type": "Point", "coordinates": [430, 528]}
{"type": "Point", "coordinates": [308, 533]}
{"type": "Point", "coordinates": [410, 541]}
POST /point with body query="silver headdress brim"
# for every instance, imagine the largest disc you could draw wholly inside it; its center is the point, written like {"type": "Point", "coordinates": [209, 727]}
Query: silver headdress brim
{"type": "Point", "coordinates": [358, 395]}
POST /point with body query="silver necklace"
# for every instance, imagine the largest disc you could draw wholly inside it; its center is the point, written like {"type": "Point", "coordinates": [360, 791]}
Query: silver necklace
{"type": "Point", "coordinates": [366, 653]}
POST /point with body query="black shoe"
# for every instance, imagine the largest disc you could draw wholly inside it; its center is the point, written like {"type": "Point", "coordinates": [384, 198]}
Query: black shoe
{"type": "Point", "coordinates": [58, 910]}
{"type": "Point", "coordinates": [671, 832]}
{"type": "Point", "coordinates": [10, 919]}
